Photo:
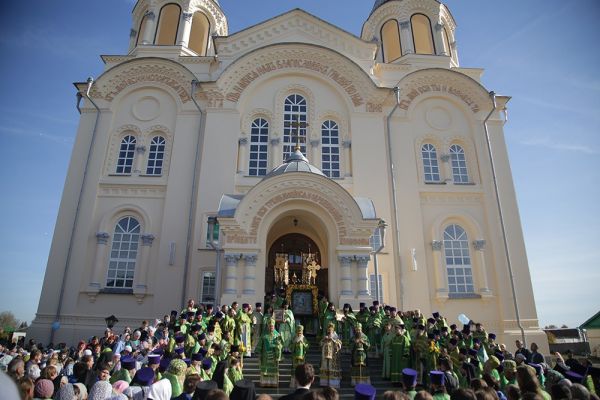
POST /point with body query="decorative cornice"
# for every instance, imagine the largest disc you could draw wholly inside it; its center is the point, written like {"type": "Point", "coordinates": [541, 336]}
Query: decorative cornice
{"type": "Point", "coordinates": [348, 76]}
{"type": "Point", "coordinates": [306, 28]}
{"type": "Point", "coordinates": [154, 71]}
{"type": "Point", "coordinates": [445, 82]}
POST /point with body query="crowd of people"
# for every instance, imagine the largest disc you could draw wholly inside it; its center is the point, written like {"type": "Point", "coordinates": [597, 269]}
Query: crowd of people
{"type": "Point", "coordinates": [198, 353]}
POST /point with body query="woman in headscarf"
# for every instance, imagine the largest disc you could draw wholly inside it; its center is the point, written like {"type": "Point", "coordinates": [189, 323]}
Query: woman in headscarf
{"type": "Point", "coordinates": [83, 393]}
{"type": "Point", "coordinates": [160, 390]}
{"type": "Point", "coordinates": [102, 390]}
{"type": "Point", "coordinates": [221, 377]}
{"type": "Point", "coordinates": [67, 392]}
{"type": "Point", "coordinates": [176, 375]}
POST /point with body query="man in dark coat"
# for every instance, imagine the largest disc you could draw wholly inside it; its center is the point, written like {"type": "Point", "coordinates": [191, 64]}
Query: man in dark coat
{"type": "Point", "coordinates": [305, 375]}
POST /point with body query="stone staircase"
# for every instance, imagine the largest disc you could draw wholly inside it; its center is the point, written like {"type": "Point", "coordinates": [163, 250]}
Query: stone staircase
{"type": "Point", "coordinates": [252, 371]}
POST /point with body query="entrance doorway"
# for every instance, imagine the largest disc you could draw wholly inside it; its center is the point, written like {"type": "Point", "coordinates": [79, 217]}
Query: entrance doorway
{"type": "Point", "coordinates": [294, 245]}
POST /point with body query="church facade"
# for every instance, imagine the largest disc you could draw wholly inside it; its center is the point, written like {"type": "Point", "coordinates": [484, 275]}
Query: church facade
{"type": "Point", "coordinates": [202, 156]}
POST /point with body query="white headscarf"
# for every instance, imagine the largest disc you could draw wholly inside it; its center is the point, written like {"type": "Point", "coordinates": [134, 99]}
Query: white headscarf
{"type": "Point", "coordinates": [102, 390]}
{"type": "Point", "coordinates": [160, 390]}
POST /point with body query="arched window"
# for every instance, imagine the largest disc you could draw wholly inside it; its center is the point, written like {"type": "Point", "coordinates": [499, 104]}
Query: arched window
{"type": "Point", "coordinates": [294, 123]}
{"type": "Point", "coordinates": [123, 254]}
{"type": "Point", "coordinates": [199, 33]}
{"type": "Point", "coordinates": [422, 34]}
{"type": "Point", "coordinates": [156, 156]}
{"type": "Point", "coordinates": [142, 30]}
{"type": "Point", "coordinates": [168, 25]}
{"type": "Point", "coordinates": [460, 173]}
{"type": "Point", "coordinates": [330, 150]}
{"type": "Point", "coordinates": [390, 38]}
{"type": "Point", "coordinates": [446, 42]}
{"type": "Point", "coordinates": [458, 260]}
{"type": "Point", "coordinates": [126, 154]}
{"type": "Point", "coordinates": [259, 139]}
{"type": "Point", "coordinates": [431, 167]}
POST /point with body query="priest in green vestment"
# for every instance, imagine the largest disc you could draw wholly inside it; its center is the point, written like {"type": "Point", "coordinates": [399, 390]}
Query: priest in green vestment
{"type": "Point", "coordinates": [298, 347]}
{"type": "Point", "coordinates": [269, 347]}
{"type": "Point", "coordinates": [400, 349]}
{"type": "Point", "coordinates": [287, 327]}
{"type": "Point", "coordinates": [386, 349]}
{"type": "Point", "coordinates": [360, 346]}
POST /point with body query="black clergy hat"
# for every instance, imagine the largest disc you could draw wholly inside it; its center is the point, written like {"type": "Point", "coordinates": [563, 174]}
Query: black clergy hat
{"type": "Point", "coordinates": [243, 390]}
{"type": "Point", "coordinates": [202, 389]}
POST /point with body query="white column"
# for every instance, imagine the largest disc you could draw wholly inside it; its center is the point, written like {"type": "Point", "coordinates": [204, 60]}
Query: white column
{"type": "Point", "coordinates": [231, 273]}
{"type": "Point", "coordinates": [362, 275]}
{"type": "Point", "coordinates": [99, 261]}
{"type": "Point", "coordinates": [141, 276]}
{"type": "Point", "coordinates": [479, 246]}
{"type": "Point", "coordinates": [242, 155]}
{"type": "Point", "coordinates": [438, 40]}
{"type": "Point", "coordinates": [439, 270]}
{"type": "Point", "coordinates": [183, 36]}
{"type": "Point", "coordinates": [347, 164]}
{"type": "Point", "coordinates": [138, 163]}
{"type": "Point", "coordinates": [345, 264]}
{"type": "Point", "coordinates": [314, 153]}
{"type": "Point", "coordinates": [406, 39]}
{"type": "Point", "coordinates": [446, 169]}
{"type": "Point", "coordinates": [150, 29]}
{"type": "Point", "coordinates": [250, 273]}
{"type": "Point", "coordinates": [276, 152]}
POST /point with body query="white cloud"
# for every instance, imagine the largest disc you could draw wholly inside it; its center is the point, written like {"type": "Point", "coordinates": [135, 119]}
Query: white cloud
{"type": "Point", "coordinates": [560, 146]}
{"type": "Point", "coordinates": [33, 134]}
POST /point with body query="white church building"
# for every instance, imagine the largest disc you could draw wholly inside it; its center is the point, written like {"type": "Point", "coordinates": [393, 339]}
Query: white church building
{"type": "Point", "coordinates": [186, 180]}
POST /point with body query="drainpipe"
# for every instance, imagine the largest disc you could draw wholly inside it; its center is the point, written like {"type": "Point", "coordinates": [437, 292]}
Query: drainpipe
{"type": "Point", "coordinates": [394, 197]}
{"type": "Point", "coordinates": [90, 83]}
{"type": "Point", "coordinates": [188, 246]}
{"type": "Point", "coordinates": [501, 214]}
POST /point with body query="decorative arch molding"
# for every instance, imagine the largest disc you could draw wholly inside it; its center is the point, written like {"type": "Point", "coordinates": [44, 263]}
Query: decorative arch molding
{"type": "Point", "coordinates": [467, 221]}
{"type": "Point", "coordinates": [144, 71]}
{"type": "Point", "coordinates": [402, 11]}
{"type": "Point", "coordinates": [250, 116]}
{"type": "Point", "coordinates": [300, 58]}
{"type": "Point", "coordinates": [216, 16]}
{"type": "Point", "coordinates": [110, 219]}
{"type": "Point", "coordinates": [114, 144]}
{"type": "Point", "coordinates": [339, 119]}
{"type": "Point", "coordinates": [445, 83]}
{"type": "Point", "coordinates": [470, 153]}
{"type": "Point", "coordinates": [314, 190]}
{"type": "Point", "coordinates": [280, 97]}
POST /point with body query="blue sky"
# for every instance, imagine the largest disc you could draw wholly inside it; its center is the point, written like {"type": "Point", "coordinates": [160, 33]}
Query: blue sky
{"type": "Point", "coordinates": [543, 53]}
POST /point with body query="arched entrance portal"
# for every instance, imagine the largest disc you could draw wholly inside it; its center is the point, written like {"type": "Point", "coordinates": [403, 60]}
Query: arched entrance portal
{"type": "Point", "coordinates": [294, 245]}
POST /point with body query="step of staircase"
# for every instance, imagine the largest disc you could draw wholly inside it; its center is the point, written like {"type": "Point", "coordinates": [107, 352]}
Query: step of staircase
{"type": "Point", "coordinates": [313, 356]}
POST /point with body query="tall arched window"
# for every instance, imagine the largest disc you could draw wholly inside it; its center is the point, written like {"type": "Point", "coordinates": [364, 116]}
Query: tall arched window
{"type": "Point", "coordinates": [390, 37]}
{"type": "Point", "coordinates": [422, 34]}
{"type": "Point", "coordinates": [431, 169]}
{"type": "Point", "coordinates": [294, 122]}
{"type": "Point", "coordinates": [168, 25]}
{"type": "Point", "coordinates": [199, 33]}
{"type": "Point", "coordinates": [259, 150]}
{"type": "Point", "coordinates": [458, 260]}
{"type": "Point", "coordinates": [330, 150]}
{"type": "Point", "coordinates": [126, 155]}
{"type": "Point", "coordinates": [142, 30]}
{"type": "Point", "coordinates": [460, 173]}
{"type": "Point", "coordinates": [123, 254]}
{"type": "Point", "coordinates": [446, 42]}
{"type": "Point", "coordinates": [156, 156]}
